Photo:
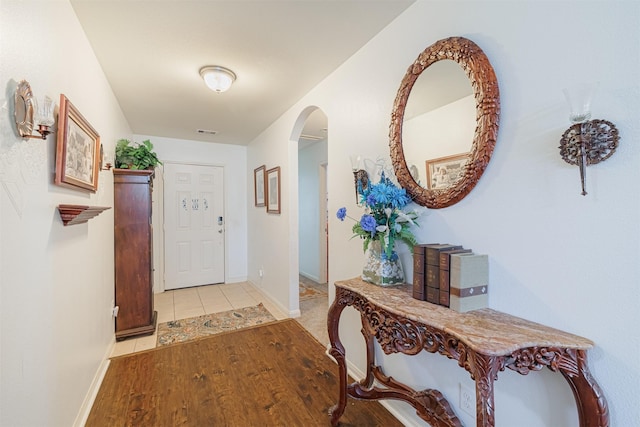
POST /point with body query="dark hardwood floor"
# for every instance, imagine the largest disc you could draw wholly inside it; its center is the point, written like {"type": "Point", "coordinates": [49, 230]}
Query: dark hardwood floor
{"type": "Point", "coordinates": [271, 375]}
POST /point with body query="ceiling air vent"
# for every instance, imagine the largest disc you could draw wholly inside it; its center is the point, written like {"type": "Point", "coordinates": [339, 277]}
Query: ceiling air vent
{"type": "Point", "coordinates": [207, 132]}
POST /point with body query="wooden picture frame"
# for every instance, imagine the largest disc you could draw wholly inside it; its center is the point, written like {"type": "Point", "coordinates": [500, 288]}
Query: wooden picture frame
{"type": "Point", "coordinates": [77, 150]}
{"type": "Point", "coordinates": [259, 186]}
{"type": "Point", "coordinates": [445, 171]}
{"type": "Point", "coordinates": [273, 190]}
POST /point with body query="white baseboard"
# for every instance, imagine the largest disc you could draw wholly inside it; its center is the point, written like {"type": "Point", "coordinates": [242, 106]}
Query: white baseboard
{"type": "Point", "coordinates": [238, 279]}
{"type": "Point", "coordinates": [295, 313]}
{"type": "Point", "coordinates": [391, 405]}
{"type": "Point", "coordinates": [282, 309]}
{"type": "Point", "coordinates": [310, 277]}
{"type": "Point", "coordinates": [87, 404]}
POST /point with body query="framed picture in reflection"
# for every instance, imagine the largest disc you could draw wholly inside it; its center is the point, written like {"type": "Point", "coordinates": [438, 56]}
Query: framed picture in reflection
{"type": "Point", "coordinates": [444, 171]}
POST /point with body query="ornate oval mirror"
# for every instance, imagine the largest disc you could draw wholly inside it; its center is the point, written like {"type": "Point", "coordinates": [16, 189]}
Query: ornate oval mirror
{"type": "Point", "coordinates": [464, 168]}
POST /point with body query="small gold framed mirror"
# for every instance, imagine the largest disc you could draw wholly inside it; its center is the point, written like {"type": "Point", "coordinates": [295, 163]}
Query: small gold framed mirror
{"type": "Point", "coordinates": [24, 109]}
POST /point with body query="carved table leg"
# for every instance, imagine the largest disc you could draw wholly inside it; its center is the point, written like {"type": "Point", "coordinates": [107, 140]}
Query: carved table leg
{"type": "Point", "coordinates": [572, 364]}
{"type": "Point", "coordinates": [338, 353]}
{"type": "Point", "coordinates": [591, 403]}
{"type": "Point", "coordinates": [484, 371]}
{"type": "Point", "coordinates": [367, 381]}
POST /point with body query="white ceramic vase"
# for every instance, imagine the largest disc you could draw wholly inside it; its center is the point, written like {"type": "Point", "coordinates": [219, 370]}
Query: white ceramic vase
{"type": "Point", "coordinates": [378, 269]}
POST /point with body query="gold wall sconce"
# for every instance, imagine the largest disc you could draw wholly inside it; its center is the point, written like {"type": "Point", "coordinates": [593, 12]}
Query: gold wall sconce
{"type": "Point", "coordinates": [26, 107]}
{"type": "Point", "coordinates": [105, 165]}
{"type": "Point", "coordinates": [586, 142]}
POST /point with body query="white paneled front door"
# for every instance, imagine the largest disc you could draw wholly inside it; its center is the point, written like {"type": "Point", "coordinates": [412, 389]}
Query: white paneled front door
{"type": "Point", "coordinates": [193, 225]}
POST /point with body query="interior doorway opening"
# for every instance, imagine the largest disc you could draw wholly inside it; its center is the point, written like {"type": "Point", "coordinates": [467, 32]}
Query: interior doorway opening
{"type": "Point", "coordinates": [311, 272]}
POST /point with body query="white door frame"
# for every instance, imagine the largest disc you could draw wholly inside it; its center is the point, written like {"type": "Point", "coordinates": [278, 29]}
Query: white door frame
{"type": "Point", "coordinates": [323, 224]}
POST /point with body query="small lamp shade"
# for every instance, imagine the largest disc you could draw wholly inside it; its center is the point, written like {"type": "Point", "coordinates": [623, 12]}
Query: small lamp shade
{"type": "Point", "coordinates": [579, 99]}
{"type": "Point", "coordinates": [218, 79]}
{"type": "Point", "coordinates": [44, 111]}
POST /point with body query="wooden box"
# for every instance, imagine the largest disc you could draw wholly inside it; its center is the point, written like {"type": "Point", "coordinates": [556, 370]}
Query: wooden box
{"type": "Point", "coordinates": [445, 257]}
{"type": "Point", "coordinates": [432, 252]}
{"type": "Point", "coordinates": [419, 291]}
{"type": "Point", "coordinates": [444, 298]}
{"type": "Point", "coordinates": [433, 295]}
{"type": "Point", "coordinates": [432, 276]}
{"type": "Point", "coordinates": [444, 275]}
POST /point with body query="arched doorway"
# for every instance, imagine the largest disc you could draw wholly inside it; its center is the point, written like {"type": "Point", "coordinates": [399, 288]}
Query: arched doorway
{"type": "Point", "coordinates": [309, 281]}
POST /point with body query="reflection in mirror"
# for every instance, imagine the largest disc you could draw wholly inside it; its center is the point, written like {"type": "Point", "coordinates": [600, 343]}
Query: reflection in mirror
{"type": "Point", "coordinates": [486, 101]}
{"type": "Point", "coordinates": [439, 122]}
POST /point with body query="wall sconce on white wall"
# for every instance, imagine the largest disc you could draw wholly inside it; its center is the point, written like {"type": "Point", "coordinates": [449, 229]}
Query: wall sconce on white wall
{"type": "Point", "coordinates": [360, 176]}
{"type": "Point", "coordinates": [105, 160]}
{"type": "Point", "coordinates": [26, 106]}
{"type": "Point", "coordinates": [586, 142]}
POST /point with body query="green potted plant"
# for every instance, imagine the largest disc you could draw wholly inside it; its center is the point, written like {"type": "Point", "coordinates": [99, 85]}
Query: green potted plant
{"type": "Point", "coordinates": [136, 155]}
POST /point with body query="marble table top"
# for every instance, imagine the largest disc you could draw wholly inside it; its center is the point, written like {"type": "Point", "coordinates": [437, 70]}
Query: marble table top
{"type": "Point", "coordinates": [486, 331]}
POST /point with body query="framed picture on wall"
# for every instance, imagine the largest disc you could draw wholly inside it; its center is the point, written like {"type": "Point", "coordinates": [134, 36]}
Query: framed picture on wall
{"type": "Point", "coordinates": [273, 190]}
{"type": "Point", "coordinates": [444, 171]}
{"type": "Point", "coordinates": [77, 149]}
{"type": "Point", "coordinates": [259, 186]}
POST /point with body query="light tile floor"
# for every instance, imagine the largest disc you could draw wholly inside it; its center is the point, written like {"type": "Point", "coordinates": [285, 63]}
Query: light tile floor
{"type": "Point", "coordinates": [192, 302]}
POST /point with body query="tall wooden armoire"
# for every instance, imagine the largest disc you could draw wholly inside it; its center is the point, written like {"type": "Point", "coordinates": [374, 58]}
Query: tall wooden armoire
{"type": "Point", "coordinates": [133, 253]}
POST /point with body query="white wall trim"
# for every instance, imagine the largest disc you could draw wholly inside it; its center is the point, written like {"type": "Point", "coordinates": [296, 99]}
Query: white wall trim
{"type": "Point", "coordinates": [311, 277]}
{"type": "Point", "coordinates": [275, 302]}
{"type": "Point", "coordinates": [92, 393]}
{"type": "Point", "coordinates": [389, 404]}
{"type": "Point", "coordinates": [323, 223]}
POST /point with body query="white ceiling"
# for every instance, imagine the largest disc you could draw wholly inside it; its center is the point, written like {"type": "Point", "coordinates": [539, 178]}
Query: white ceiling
{"type": "Point", "coordinates": [151, 52]}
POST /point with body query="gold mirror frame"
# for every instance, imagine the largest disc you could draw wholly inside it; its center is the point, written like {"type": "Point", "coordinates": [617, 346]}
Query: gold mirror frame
{"type": "Point", "coordinates": [478, 69]}
{"type": "Point", "coordinates": [23, 109]}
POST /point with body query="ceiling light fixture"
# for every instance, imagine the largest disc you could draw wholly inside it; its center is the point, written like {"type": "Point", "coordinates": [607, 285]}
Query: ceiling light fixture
{"type": "Point", "coordinates": [218, 79]}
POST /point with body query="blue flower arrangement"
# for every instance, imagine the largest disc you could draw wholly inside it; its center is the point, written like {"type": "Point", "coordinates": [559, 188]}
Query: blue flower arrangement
{"type": "Point", "coordinates": [383, 219]}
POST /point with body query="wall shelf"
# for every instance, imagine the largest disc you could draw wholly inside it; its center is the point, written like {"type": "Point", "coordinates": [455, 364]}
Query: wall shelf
{"type": "Point", "coordinates": [78, 214]}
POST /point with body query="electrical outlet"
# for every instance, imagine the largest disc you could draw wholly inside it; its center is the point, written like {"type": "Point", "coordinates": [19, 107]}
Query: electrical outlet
{"type": "Point", "coordinates": [260, 273]}
{"type": "Point", "coordinates": [467, 400]}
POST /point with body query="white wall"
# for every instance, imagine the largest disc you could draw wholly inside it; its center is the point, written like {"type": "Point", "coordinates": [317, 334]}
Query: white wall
{"type": "Point", "coordinates": [557, 257]}
{"type": "Point", "coordinates": [274, 237]}
{"type": "Point", "coordinates": [234, 160]}
{"type": "Point", "coordinates": [56, 282]}
{"type": "Point", "coordinates": [309, 160]}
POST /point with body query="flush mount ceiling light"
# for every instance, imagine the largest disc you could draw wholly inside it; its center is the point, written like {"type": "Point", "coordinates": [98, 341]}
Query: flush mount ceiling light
{"type": "Point", "coordinates": [218, 79]}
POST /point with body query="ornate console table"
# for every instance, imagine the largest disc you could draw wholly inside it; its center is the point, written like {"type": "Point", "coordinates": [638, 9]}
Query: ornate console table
{"type": "Point", "coordinates": [484, 342]}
